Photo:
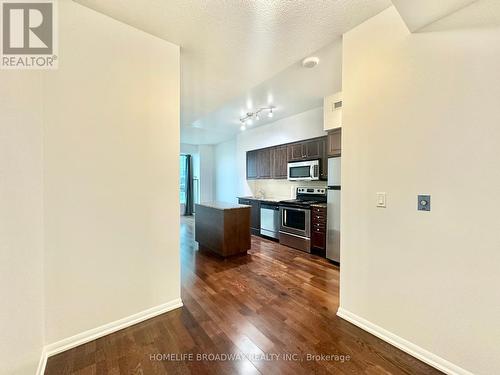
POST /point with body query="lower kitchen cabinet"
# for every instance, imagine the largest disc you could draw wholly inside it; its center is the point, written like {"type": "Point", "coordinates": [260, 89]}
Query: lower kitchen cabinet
{"type": "Point", "coordinates": [254, 214]}
{"type": "Point", "coordinates": [318, 230]}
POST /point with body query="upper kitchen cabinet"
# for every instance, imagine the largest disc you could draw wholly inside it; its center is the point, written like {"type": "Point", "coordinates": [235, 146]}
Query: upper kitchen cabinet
{"type": "Point", "coordinates": [306, 150]}
{"type": "Point", "coordinates": [332, 111]}
{"type": "Point", "coordinates": [334, 142]}
{"type": "Point", "coordinates": [272, 162]}
{"type": "Point", "coordinates": [252, 165]}
{"type": "Point", "coordinates": [264, 163]}
{"type": "Point", "coordinates": [259, 164]}
{"type": "Point", "coordinates": [279, 162]}
{"type": "Point", "coordinates": [295, 151]}
{"type": "Point", "coordinates": [315, 149]}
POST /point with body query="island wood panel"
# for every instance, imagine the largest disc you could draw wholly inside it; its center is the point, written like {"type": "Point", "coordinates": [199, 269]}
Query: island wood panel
{"type": "Point", "coordinates": [225, 231]}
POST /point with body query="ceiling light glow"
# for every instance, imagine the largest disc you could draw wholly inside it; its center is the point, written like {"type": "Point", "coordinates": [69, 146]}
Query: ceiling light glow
{"type": "Point", "coordinates": [250, 116]}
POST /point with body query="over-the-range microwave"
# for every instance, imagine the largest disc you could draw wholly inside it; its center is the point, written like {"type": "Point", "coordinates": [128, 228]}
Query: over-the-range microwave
{"type": "Point", "coordinates": [303, 170]}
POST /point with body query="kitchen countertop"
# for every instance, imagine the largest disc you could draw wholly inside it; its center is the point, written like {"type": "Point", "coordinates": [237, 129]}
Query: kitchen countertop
{"type": "Point", "coordinates": [223, 205]}
{"type": "Point", "coordinates": [319, 205]}
{"type": "Point", "coordinates": [270, 200]}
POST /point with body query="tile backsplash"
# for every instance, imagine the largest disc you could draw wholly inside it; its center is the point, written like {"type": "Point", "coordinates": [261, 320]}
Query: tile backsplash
{"type": "Point", "coordinates": [280, 189]}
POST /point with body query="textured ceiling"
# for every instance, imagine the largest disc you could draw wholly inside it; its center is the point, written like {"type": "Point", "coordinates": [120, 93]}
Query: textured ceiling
{"type": "Point", "coordinates": [479, 14]}
{"type": "Point", "coordinates": [418, 14]}
{"type": "Point", "coordinates": [293, 90]}
{"type": "Point", "coordinates": [231, 46]}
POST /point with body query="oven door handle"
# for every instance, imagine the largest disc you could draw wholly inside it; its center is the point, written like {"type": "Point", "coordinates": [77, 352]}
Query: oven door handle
{"type": "Point", "coordinates": [284, 217]}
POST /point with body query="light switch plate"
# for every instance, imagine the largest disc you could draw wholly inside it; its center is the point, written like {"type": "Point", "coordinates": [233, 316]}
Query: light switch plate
{"type": "Point", "coordinates": [381, 200]}
{"type": "Point", "coordinates": [424, 202]}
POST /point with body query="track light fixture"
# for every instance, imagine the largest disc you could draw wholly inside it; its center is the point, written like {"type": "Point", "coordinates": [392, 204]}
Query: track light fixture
{"type": "Point", "coordinates": [247, 120]}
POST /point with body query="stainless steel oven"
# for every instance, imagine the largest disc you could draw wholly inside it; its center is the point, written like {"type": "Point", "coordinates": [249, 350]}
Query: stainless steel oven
{"type": "Point", "coordinates": [296, 221]}
{"type": "Point", "coordinates": [303, 170]}
{"type": "Point", "coordinates": [295, 218]}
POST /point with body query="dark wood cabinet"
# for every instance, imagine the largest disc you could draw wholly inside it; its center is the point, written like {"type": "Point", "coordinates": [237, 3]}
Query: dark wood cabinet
{"type": "Point", "coordinates": [295, 151]}
{"type": "Point", "coordinates": [252, 157]}
{"type": "Point", "coordinates": [272, 162]}
{"type": "Point", "coordinates": [334, 142]}
{"type": "Point", "coordinates": [254, 214]}
{"type": "Point", "coordinates": [323, 166]}
{"type": "Point", "coordinates": [255, 217]}
{"type": "Point", "coordinates": [279, 160]}
{"type": "Point", "coordinates": [314, 149]}
{"type": "Point", "coordinates": [307, 150]}
{"type": "Point", "coordinates": [318, 230]}
{"type": "Point", "coordinates": [264, 163]}
{"type": "Point", "coordinates": [223, 228]}
{"type": "Point", "coordinates": [259, 164]}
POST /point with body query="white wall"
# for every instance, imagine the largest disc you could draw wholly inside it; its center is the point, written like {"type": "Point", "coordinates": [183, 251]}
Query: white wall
{"type": "Point", "coordinates": [187, 148]}
{"type": "Point", "coordinates": [225, 171]}
{"type": "Point", "coordinates": [203, 169]}
{"type": "Point", "coordinates": [302, 126]}
{"type": "Point", "coordinates": [421, 115]}
{"type": "Point", "coordinates": [111, 162]}
{"type": "Point", "coordinates": [207, 173]}
{"type": "Point", "coordinates": [21, 222]}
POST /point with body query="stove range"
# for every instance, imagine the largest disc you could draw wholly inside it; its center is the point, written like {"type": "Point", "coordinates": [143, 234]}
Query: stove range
{"type": "Point", "coordinates": [306, 197]}
{"type": "Point", "coordinates": [298, 203]}
{"type": "Point", "coordinates": [295, 226]}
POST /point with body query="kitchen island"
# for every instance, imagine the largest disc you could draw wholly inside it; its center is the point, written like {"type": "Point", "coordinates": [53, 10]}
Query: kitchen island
{"type": "Point", "coordinates": [223, 228]}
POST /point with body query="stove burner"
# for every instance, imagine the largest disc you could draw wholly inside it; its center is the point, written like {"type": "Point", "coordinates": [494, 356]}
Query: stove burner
{"type": "Point", "coordinates": [306, 197]}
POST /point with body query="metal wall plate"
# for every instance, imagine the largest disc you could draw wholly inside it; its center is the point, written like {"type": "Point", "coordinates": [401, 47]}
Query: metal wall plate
{"type": "Point", "coordinates": [424, 202]}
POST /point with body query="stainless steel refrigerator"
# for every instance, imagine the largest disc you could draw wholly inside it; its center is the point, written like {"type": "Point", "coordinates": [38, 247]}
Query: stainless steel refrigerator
{"type": "Point", "coordinates": [333, 210]}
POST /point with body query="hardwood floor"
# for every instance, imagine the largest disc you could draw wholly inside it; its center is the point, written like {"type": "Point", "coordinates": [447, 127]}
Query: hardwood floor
{"type": "Point", "coordinates": [275, 301]}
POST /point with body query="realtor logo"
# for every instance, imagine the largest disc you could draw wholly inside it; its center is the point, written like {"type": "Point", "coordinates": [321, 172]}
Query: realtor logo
{"type": "Point", "coordinates": [28, 34]}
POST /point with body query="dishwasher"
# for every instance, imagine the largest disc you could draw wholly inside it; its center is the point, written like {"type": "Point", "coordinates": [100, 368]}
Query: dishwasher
{"type": "Point", "coordinates": [269, 220]}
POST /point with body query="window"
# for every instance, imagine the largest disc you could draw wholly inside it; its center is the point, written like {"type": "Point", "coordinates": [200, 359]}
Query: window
{"type": "Point", "coordinates": [183, 179]}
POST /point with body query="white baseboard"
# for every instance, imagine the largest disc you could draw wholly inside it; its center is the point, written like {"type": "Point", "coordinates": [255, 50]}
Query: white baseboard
{"type": "Point", "coordinates": [41, 365]}
{"type": "Point", "coordinates": [405, 345]}
{"type": "Point", "coordinates": [106, 329]}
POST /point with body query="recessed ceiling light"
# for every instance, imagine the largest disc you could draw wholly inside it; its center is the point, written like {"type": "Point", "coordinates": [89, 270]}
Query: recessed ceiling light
{"type": "Point", "coordinates": [310, 62]}
{"type": "Point", "coordinates": [243, 127]}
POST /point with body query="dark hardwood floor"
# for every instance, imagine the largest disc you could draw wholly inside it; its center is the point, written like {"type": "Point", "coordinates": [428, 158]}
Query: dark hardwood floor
{"type": "Point", "coordinates": [275, 301]}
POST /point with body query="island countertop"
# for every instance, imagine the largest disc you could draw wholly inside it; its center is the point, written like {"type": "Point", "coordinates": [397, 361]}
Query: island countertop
{"type": "Point", "coordinates": [223, 205]}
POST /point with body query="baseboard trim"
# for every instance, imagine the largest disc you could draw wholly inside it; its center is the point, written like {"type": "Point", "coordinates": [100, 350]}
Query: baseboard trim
{"type": "Point", "coordinates": [402, 344]}
{"type": "Point", "coordinates": [106, 329]}
{"type": "Point", "coordinates": [42, 364]}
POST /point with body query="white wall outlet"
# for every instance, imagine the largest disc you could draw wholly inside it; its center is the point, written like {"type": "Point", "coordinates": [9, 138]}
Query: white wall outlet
{"type": "Point", "coordinates": [381, 200]}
